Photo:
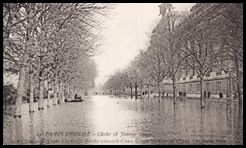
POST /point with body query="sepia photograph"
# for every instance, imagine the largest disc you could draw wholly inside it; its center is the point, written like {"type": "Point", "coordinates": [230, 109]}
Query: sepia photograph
{"type": "Point", "coordinates": [122, 73]}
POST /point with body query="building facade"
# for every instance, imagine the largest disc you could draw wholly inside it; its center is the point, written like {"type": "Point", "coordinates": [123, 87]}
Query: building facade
{"type": "Point", "coordinates": [216, 80]}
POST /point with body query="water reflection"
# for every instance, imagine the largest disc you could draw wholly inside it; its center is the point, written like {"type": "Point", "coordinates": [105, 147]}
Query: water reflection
{"type": "Point", "coordinates": [238, 125]}
{"type": "Point", "coordinates": [32, 130]}
{"type": "Point", "coordinates": [142, 122]}
{"type": "Point", "coordinates": [175, 119]}
{"type": "Point", "coordinates": [18, 131]}
{"type": "Point", "coordinates": [41, 125]}
{"type": "Point", "coordinates": [201, 131]}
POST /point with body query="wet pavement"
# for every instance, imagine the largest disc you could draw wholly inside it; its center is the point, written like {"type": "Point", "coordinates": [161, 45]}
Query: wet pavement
{"type": "Point", "coordinates": [112, 120]}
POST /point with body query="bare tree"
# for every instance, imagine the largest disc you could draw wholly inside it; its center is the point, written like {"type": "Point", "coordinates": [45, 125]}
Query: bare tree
{"type": "Point", "coordinates": [19, 43]}
{"type": "Point", "coordinates": [34, 31]}
{"type": "Point", "coordinates": [217, 37]}
{"type": "Point", "coordinates": [202, 49]}
{"type": "Point", "coordinates": [232, 18]}
{"type": "Point", "coordinates": [169, 44]}
{"type": "Point", "coordinates": [157, 65]}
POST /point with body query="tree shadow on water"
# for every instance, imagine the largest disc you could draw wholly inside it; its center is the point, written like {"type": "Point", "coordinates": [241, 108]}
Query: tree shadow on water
{"type": "Point", "coordinates": [18, 131]}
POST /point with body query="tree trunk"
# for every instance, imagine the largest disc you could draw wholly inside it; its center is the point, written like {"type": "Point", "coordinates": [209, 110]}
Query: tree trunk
{"type": "Point", "coordinates": [54, 97]}
{"type": "Point", "coordinates": [229, 97]}
{"type": "Point", "coordinates": [60, 94]}
{"type": "Point", "coordinates": [136, 91]}
{"type": "Point", "coordinates": [63, 93]}
{"type": "Point", "coordinates": [148, 90]}
{"type": "Point", "coordinates": [48, 99]}
{"type": "Point", "coordinates": [239, 93]}
{"type": "Point", "coordinates": [41, 95]}
{"type": "Point", "coordinates": [141, 91]}
{"type": "Point", "coordinates": [20, 92]}
{"type": "Point", "coordinates": [238, 80]}
{"type": "Point", "coordinates": [159, 91]}
{"type": "Point", "coordinates": [174, 91]}
{"type": "Point", "coordinates": [73, 93]}
{"type": "Point", "coordinates": [55, 92]}
{"type": "Point", "coordinates": [201, 92]}
{"type": "Point", "coordinates": [31, 97]}
{"type": "Point", "coordinates": [131, 92]}
{"type": "Point", "coordinates": [68, 93]}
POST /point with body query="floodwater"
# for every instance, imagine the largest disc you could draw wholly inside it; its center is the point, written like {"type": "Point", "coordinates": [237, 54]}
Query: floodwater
{"type": "Point", "coordinates": [112, 120]}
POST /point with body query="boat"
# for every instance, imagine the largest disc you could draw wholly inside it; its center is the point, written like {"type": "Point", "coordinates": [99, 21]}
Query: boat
{"type": "Point", "coordinates": [75, 100]}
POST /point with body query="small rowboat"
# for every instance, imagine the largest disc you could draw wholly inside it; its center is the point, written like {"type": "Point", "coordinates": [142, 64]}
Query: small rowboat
{"type": "Point", "coordinates": [75, 100]}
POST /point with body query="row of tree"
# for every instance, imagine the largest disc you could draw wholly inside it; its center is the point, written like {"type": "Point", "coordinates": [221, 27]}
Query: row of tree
{"type": "Point", "coordinates": [211, 41]}
{"type": "Point", "coordinates": [51, 42]}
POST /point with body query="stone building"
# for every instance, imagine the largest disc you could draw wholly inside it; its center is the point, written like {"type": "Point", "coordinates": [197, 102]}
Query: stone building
{"type": "Point", "coordinates": [217, 79]}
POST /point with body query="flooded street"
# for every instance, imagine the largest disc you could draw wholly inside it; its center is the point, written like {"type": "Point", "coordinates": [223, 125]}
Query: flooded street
{"type": "Point", "coordinates": [111, 120]}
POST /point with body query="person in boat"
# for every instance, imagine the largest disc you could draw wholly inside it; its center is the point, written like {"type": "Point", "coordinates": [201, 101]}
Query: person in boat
{"type": "Point", "coordinates": [75, 96]}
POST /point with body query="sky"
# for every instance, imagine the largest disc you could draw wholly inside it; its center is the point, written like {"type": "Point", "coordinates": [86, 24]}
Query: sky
{"type": "Point", "coordinates": [126, 31]}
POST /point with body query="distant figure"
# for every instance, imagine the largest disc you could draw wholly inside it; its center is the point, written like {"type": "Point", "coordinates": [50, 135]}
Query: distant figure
{"type": "Point", "coordinates": [205, 94]}
{"type": "Point", "coordinates": [220, 95]}
{"type": "Point", "coordinates": [209, 93]}
{"type": "Point", "coordinates": [75, 96]}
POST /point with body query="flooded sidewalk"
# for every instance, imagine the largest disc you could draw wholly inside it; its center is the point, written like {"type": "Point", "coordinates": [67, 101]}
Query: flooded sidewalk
{"type": "Point", "coordinates": [112, 120]}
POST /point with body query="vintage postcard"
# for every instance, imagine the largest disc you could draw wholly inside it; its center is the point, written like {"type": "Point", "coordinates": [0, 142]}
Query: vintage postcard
{"type": "Point", "coordinates": [123, 73]}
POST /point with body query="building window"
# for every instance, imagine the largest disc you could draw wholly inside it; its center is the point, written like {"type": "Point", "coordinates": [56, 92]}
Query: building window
{"type": "Point", "coordinates": [207, 86]}
{"type": "Point", "coordinates": [207, 75]}
{"type": "Point", "coordinates": [218, 73]}
{"type": "Point", "coordinates": [190, 88]}
{"type": "Point", "coordinates": [218, 86]}
{"type": "Point", "coordinates": [198, 87]}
